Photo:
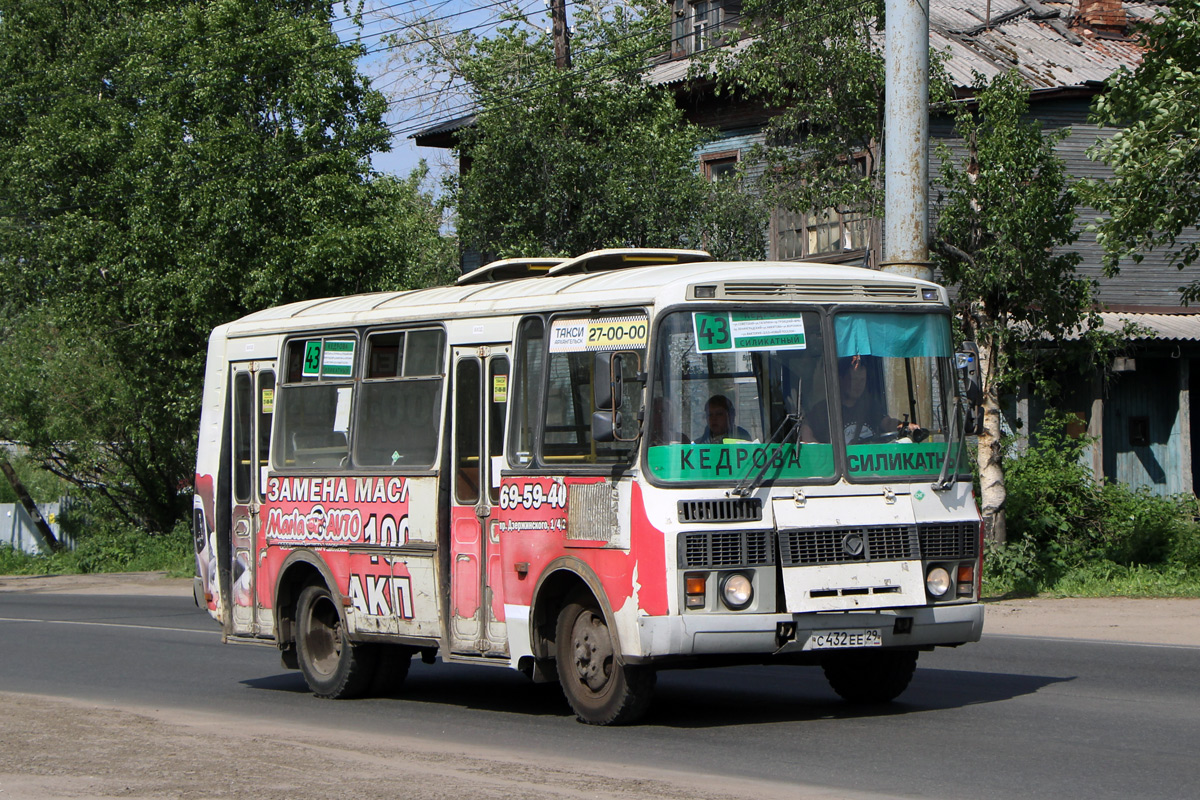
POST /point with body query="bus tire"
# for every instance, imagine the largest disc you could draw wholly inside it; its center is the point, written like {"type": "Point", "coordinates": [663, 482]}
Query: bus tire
{"type": "Point", "coordinates": [600, 689]}
{"type": "Point", "coordinates": [391, 669]}
{"type": "Point", "coordinates": [870, 676]}
{"type": "Point", "coordinates": [333, 666]}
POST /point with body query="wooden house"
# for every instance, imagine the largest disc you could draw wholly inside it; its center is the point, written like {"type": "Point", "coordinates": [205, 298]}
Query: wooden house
{"type": "Point", "coordinates": [1138, 408]}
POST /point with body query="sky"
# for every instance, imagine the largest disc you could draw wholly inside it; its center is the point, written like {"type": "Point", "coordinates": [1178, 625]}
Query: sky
{"type": "Point", "coordinates": [409, 107]}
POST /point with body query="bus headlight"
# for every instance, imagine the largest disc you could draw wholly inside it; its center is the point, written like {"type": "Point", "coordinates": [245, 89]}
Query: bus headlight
{"type": "Point", "coordinates": [737, 591]}
{"type": "Point", "coordinates": [937, 581]}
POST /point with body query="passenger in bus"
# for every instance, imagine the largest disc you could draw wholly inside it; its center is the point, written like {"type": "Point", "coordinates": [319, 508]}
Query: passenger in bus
{"type": "Point", "coordinates": [864, 415]}
{"type": "Point", "coordinates": [721, 422]}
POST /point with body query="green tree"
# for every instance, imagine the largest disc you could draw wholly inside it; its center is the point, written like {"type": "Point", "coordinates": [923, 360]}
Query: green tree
{"type": "Point", "coordinates": [563, 161]}
{"type": "Point", "coordinates": [819, 72]}
{"type": "Point", "coordinates": [1153, 196]}
{"type": "Point", "coordinates": [1004, 220]}
{"type": "Point", "coordinates": [165, 167]}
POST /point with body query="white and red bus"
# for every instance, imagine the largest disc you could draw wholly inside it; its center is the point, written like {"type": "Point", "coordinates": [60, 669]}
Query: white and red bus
{"type": "Point", "coordinates": [592, 469]}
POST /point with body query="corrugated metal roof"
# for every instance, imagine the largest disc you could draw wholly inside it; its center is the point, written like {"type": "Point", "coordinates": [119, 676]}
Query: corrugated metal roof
{"type": "Point", "coordinates": [442, 128]}
{"type": "Point", "coordinates": [1041, 40]}
{"type": "Point", "coordinates": [1034, 38]}
{"type": "Point", "coordinates": [1157, 327]}
{"type": "Point", "coordinates": [1037, 38]}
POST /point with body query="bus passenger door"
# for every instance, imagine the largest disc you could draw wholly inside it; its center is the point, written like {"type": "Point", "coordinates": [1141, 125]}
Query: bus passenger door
{"type": "Point", "coordinates": [476, 599]}
{"type": "Point", "coordinates": [253, 407]}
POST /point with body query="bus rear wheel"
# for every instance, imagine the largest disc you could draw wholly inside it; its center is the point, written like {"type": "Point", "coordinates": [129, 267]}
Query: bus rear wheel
{"type": "Point", "coordinates": [391, 668]}
{"type": "Point", "coordinates": [870, 676]}
{"type": "Point", "coordinates": [333, 666]}
{"type": "Point", "coordinates": [600, 689]}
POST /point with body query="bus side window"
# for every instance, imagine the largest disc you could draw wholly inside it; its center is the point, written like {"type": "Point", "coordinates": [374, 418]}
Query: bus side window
{"type": "Point", "coordinates": [567, 436]}
{"type": "Point", "coordinates": [466, 431]}
{"type": "Point", "coordinates": [526, 390]}
{"type": "Point", "coordinates": [266, 410]}
{"type": "Point", "coordinates": [314, 403]}
{"type": "Point", "coordinates": [497, 405]}
{"type": "Point", "coordinates": [400, 401]}
{"type": "Point", "coordinates": [243, 408]}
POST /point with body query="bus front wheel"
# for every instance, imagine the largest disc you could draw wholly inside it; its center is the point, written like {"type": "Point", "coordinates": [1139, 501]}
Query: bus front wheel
{"type": "Point", "coordinates": [870, 676]}
{"type": "Point", "coordinates": [600, 689]}
{"type": "Point", "coordinates": [333, 666]}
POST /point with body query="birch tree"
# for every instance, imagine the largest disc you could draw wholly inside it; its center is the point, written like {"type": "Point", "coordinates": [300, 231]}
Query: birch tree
{"type": "Point", "coordinates": [1005, 222]}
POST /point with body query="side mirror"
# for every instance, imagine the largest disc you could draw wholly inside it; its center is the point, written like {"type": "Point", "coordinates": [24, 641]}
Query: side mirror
{"type": "Point", "coordinates": [609, 384]}
{"type": "Point", "coordinates": [605, 425]}
{"type": "Point", "coordinates": [974, 425]}
{"type": "Point", "coordinates": [968, 364]}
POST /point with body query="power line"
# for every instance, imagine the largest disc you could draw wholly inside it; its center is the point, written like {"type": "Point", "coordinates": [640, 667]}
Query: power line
{"type": "Point", "coordinates": [414, 124]}
{"type": "Point", "coordinates": [331, 48]}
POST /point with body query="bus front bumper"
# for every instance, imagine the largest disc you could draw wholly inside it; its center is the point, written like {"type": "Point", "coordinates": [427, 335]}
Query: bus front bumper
{"type": "Point", "coordinates": [733, 634]}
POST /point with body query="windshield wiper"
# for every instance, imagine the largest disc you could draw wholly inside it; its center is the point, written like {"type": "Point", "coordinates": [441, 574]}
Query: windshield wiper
{"type": "Point", "coordinates": [745, 486]}
{"type": "Point", "coordinates": [945, 479]}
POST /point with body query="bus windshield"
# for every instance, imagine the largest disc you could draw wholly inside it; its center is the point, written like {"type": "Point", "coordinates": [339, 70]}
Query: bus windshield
{"type": "Point", "coordinates": [741, 392]}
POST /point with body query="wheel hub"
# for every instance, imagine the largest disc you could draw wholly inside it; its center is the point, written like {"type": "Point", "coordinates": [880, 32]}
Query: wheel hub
{"type": "Point", "coordinates": [324, 639]}
{"type": "Point", "coordinates": [593, 651]}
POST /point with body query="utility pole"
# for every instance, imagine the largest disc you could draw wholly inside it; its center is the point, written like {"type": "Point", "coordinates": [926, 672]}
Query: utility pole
{"type": "Point", "coordinates": [906, 140]}
{"type": "Point", "coordinates": [558, 22]}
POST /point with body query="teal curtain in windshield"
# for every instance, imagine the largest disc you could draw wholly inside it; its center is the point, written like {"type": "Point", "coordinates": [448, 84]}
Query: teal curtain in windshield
{"type": "Point", "coordinates": [892, 335]}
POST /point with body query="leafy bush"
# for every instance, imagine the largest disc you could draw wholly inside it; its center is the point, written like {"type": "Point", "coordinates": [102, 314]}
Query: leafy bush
{"type": "Point", "coordinates": [116, 547]}
{"type": "Point", "coordinates": [1140, 527]}
{"type": "Point", "coordinates": [1069, 533]}
{"type": "Point", "coordinates": [43, 486]}
{"type": "Point", "coordinates": [104, 545]}
{"type": "Point", "coordinates": [1012, 568]}
{"type": "Point", "coordinates": [1052, 495]}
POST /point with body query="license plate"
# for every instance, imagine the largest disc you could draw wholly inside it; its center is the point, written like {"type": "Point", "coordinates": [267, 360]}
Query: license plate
{"type": "Point", "coordinates": [838, 640]}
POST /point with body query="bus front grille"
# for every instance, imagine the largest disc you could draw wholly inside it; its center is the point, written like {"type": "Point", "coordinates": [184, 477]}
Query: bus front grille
{"type": "Point", "coordinates": [745, 509]}
{"type": "Point", "coordinates": [950, 540]}
{"type": "Point", "coordinates": [800, 548]}
{"type": "Point", "coordinates": [726, 549]}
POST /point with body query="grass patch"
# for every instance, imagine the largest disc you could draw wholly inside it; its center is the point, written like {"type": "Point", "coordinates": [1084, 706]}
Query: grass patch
{"type": "Point", "coordinates": [1107, 579]}
{"type": "Point", "coordinates": [109, 548]}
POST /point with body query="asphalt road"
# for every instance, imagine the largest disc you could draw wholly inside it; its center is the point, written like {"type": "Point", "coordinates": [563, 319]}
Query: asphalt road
{"type": "Point", "coordinates": [1010, 717]}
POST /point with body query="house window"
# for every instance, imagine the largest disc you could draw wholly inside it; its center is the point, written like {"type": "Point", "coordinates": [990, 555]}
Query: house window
{"type": "Point", "coordinates": [698, 24]}
{"type": "Point", "coordinates": [825, 231]}
{"type": "Point", "coordinates": [705, 22]}
{"type": "Point", "coordinates": [718, 166]}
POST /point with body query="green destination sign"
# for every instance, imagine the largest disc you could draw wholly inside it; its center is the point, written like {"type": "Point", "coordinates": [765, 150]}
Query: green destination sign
{"type": "Point", "coordinates": [312, 358]}
{"type": "Point", "coordinates": [886, 460]}
{"type": "Point", "coordinates": [338, 358]}
{"type": "Point", "coordinates": [732, 462]}
{"type": "Point", "coordinates": [329, 358]}
{"type": "Point", "coordinates": [747, 330]}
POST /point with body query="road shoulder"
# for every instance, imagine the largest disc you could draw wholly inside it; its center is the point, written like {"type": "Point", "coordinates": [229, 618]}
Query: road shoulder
{"type": "Point", "coordinates": [1162, 621]}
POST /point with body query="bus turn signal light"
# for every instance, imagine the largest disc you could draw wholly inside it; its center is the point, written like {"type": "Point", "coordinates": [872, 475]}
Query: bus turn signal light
{"type": "Point", "coordinates": [966, 580]}
{"type": "Point", "coordinates": [694, 587]}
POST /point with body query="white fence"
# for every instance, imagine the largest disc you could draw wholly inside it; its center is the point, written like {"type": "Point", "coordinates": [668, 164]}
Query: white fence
{"type": "Point", "coordinates": [18, 530]}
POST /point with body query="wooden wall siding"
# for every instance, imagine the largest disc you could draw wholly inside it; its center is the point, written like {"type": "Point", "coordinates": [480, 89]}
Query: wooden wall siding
{"type": "Point", "coordinates": [1151, 393]}
{"type": "Point", "coordinates": [1153, 282]}
{"type": "Point", "coordinates": [741, 140]}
